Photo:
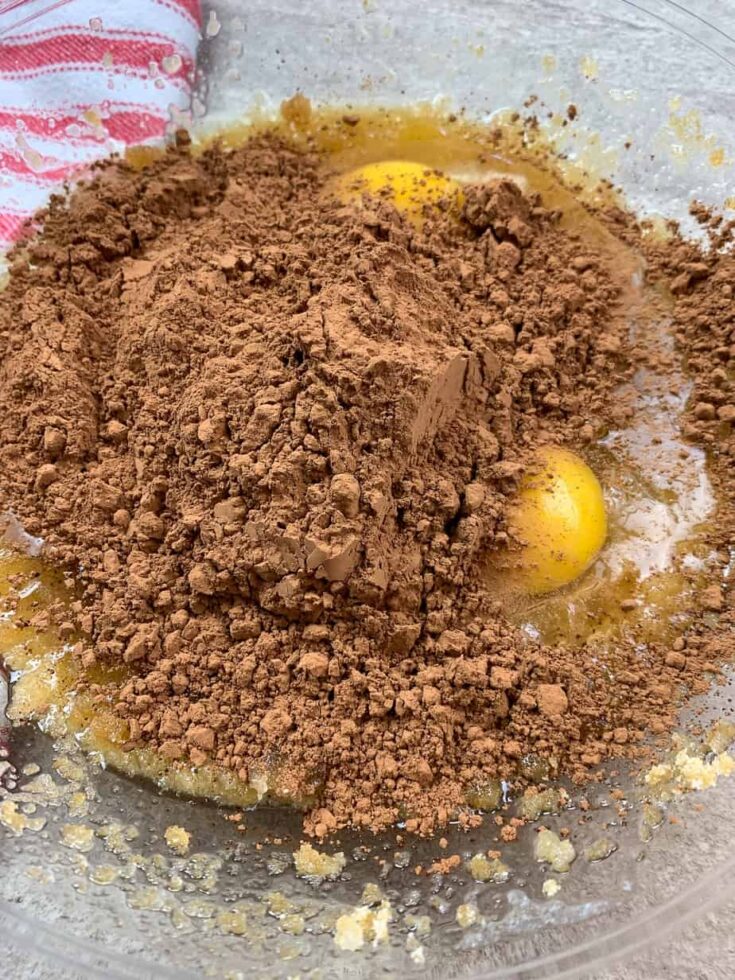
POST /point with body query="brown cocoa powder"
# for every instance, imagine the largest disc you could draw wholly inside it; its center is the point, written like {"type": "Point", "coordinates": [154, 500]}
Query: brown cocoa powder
{"type": "Point", "coordinates": [273, 438]}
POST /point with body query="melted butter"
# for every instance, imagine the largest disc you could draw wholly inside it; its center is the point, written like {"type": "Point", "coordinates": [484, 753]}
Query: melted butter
{"type": "Point", "coordinates": [14, 820]}
{"type": "Point", "coordinates": [77, 837]}
{"type": "Point", "coordinates": [362, 926]}
{"type": "Point", "coordinates": [317, 865]}
{"type": "Point", "coordinates": [691, 767]}
{"type": "Point", "coordinates": [178, 839]}
{"type": "Point", "coordinates": [552, 850]}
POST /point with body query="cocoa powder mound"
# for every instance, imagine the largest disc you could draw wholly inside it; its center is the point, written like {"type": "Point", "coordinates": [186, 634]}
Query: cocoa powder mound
{"type": "Point", "coordinates": [273, 439]}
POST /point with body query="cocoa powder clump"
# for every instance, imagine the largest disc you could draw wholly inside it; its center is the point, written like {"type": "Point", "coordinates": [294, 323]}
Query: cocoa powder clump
{"type": "Point", "coordinates": [274, 436]}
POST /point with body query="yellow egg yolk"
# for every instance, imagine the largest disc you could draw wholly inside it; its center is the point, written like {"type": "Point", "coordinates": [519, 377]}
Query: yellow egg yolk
{"type": "Point", "coordinates": [406, 184]}
{"type": "Point", "coordinates": [558, 517]}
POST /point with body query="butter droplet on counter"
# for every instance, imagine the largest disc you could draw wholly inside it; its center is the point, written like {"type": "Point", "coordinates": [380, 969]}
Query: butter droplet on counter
{"type": "Point", "coordinates": [550, 888]}
{"type": "Point", "coordinates": [310, 863]}
{"type": "Point", "coordinates": [177, 839]}
{"type": "Point", "coordinates": [363, 925]}
{"type": "Point", "coordinates": [77, 836]}
{"type": "Point", "coordinates": [557, 853]}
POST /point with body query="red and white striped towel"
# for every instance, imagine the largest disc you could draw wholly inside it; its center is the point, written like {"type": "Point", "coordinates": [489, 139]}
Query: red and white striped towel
{"type": "Point", "coordinates": [80, 79]}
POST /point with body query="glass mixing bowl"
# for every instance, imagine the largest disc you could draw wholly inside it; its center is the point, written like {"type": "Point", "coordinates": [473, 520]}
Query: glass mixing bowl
{"type": "Point", "coordinates": [119, 903]}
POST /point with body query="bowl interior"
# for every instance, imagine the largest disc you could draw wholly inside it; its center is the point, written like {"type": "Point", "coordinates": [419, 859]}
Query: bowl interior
{"type": "Point", "coordinates": [654, 93]}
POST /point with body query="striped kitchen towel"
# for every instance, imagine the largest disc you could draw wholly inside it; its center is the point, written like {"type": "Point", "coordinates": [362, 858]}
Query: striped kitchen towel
{"type": "Point", "coordinates": [80, 79]}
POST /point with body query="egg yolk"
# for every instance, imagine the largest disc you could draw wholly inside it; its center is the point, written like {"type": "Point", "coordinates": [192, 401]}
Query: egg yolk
{"type": "Point", "coordinates": [406, 184]}
{"type": "Point", "coordinates": [558, 517]}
